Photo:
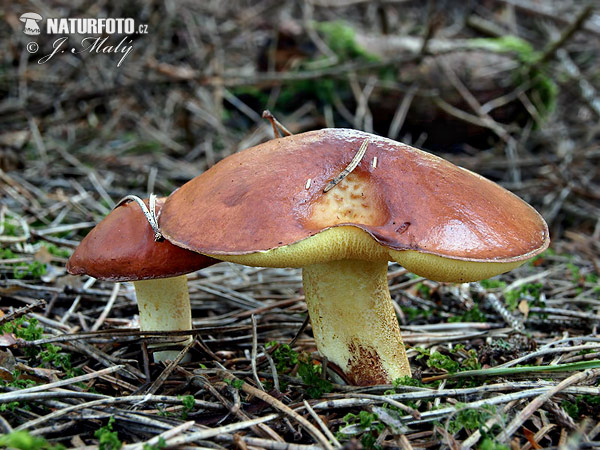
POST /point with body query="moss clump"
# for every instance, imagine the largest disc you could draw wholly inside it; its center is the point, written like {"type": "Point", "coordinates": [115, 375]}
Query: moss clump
{"type": "Point", "coordinates": [341, 39]}
{"type": "Point", "coordinates": [543, 91]}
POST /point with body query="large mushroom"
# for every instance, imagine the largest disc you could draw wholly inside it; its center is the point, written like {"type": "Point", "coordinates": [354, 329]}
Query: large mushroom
{"type": "Point", "coordinates": [266, 206]}
{"type": "Point", "coordinates": [122, 247]}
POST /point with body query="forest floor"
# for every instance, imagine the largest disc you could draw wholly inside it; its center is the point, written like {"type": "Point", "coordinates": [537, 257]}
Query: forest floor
{"type": "Point", "coordinates": [509, 89]}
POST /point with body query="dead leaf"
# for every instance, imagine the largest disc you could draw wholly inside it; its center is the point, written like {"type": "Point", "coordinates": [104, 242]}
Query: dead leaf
{"type": "Point", "coordinates": [531, 438]}
{"type": "Point", "coordinates": [43, 255]}
{"type": "Point", "coordinates": [524, 307]}
{"type": "Point", "coordinates": [37, 374]}
{"type": "Point", "coordinates": [7, 365]}
{"type": "Point", "coordinates": [7, 340]}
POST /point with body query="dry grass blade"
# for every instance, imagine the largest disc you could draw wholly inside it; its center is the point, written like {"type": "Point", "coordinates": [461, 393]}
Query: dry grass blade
{"type": "Point", "coordinates": [350, 167]}
{"type": "Point", "coordinates": [539, 401]}
{"type": "Point", "coordinates": [205, 434]}
{"type": "Point", "coordinates": [14, 396]}
{"type": "Point", "coordinates": [314, 432]}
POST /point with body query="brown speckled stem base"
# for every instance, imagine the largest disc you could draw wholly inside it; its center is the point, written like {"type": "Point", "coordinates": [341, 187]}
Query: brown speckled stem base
{"type": "Point", "coordinates": [353, 320]}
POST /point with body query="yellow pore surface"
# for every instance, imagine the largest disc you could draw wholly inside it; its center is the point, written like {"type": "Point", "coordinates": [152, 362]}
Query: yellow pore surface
{"type": "Point", "coordinates": [354, 201]}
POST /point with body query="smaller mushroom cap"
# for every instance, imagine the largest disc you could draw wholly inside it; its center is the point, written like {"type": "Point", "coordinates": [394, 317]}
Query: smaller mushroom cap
{"type": "Point", "coordinates": [30, 15]}
{"type": "Point", "coordinates": [122, 248]}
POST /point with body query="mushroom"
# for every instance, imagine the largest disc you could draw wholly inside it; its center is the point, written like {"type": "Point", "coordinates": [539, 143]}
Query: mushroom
{"type": "Point", "coordinates": [266, 206]}
{"type": "Point", "coordinates": [31, 19]}
{"type": "Point", "coordinates": [122, 247]}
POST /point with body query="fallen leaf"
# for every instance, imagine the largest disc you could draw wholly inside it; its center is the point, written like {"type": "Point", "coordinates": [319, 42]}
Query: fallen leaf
{"type": "Point", "coordinates": [524, 307]}
{"type": "Point", "coordinates": [7, 340]}
{"type": "Point", "coordinates": [43, 255]}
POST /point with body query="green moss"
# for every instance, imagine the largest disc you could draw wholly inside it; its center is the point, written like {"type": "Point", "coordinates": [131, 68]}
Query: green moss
{"type": "Point", "coordinates": [23, 328]}
{"type": "Point", "coordinates": [581, 405]}
{"type": "Point", "coordinates": [56, 251]}
{"type": "Point", "coordinates": [531, 291]}
{"type": "Point", "coordinates": [490, 444]}
{"type": "Point", "coordinates": [367, 421]}
{"type": "Point", "coordinates": [286, 359]}
{"type": "Point", "coordinates": [34, 269]}
{"type": "Point", "coordinates": [459, 360]}
{"type": "Point", "coordinates": [312, 376]}
{"type": "Point", "coordinates": [493, 283]}
{"type": "Point", "coordinates": [158, 446]}
{"type": "Point", "coordinates": [341, 39]}
{"type": "Point", "coordinates": [416, 313]}
{"type": "Point", "coordinates": [107, 438]}
{"type": "Point", "coordinates": [471, 419]}
{"type": "Point", "coordinates": [544, 90]}
{"type": "Point", "coordinates": [472, 315]}
{"type": "Point", "coordinates": [22, 440]}
{"type": "Point", "coordinates": [506, 44]}
{"type": "Point", "coordinates": [188, 405]}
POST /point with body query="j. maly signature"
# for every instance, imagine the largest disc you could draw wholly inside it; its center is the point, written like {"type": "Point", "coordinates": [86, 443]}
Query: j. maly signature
{"type": "Point", "coordinates": [91, 45]}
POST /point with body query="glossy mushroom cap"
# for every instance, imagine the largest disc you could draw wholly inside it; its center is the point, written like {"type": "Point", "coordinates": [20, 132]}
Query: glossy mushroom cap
{"type": "Point", "coordinates": [261, 199]}
{"type": "Point", "coordinates": [122, 248]}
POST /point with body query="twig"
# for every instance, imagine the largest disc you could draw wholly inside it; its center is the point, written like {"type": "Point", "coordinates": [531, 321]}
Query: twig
{"type": "Point", "coordinates": [165, 373]}
{"type": "Point", "coordinates": [565, 35]}
{"type": "Point", "coordinates": [260, 429]}
{"type": "Point", "coordinates": [401, 112]}
{"type": "Point", "coordinates": [104, 402]}
{"type": "Point", "coordinates": [387, 399]}
{"type": "Point", "coordinates": [539, 401]}
{"type": "Point", "coordinates": [107, 308]}
{"type": "Point", "coordinates": [300, 330]}
{"type": "Point", "coordinates": [254, 351]}
{"type": "Point", "coordinates": [14, 396]}
{"type": "Point", "coordinates": [350, 167]}
{"type": "Point", "coordinates": [273, 371]}
{"type": "Point", "coordinates": [322, 425]}
{"type": "Point", "coordinates": [549, 351]}
{"type": "Point", "coordinates": [165, 435]}
{"type": "Point", "coordinates": [502, 371]}
{"type": "Point", "coordinates": [322, 440]}
{"type": "Point", "coordinates": [40, 303]}
{"type": "Point", "coordinates": [276, 123]}
{"type": "Point", "coordinates": [545, 11]}
{"type": "Point", "coordinates": [88, 284]}
{"type": "Point", "coordinates": [199, 435]}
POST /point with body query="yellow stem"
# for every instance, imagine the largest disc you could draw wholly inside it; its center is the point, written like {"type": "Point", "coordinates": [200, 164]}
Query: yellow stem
{"type": "Point", "coordinates": [353, 320]}
{"type": "Point", "coordinates": [164, 305]}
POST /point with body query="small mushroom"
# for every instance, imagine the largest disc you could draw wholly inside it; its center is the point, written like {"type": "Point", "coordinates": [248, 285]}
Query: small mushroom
{"type": "Point", "coordinates": [122, 247]}
{"type": "Point", "coordinates": [436, 219]}
{"type": "Point", "coordinates": [31, 19]}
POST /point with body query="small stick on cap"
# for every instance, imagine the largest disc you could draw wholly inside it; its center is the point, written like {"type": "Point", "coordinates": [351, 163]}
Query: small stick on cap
{"type": "Point", "coordinates": [276, 123]}
{"type": "Point", "coordinates": [350, 167]}
{"type": "Point", "coordinates": [149, 213]}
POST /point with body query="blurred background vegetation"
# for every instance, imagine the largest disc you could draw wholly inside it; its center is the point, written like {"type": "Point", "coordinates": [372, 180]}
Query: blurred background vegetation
{"type": "Point", "coordinates": [507, 88]}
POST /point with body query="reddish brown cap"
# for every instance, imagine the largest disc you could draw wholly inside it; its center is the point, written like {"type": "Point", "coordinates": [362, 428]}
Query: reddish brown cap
{"type": "Point", "coordinates": [406, 199]}
{"type": "Point", "coordinates": [122, 248]}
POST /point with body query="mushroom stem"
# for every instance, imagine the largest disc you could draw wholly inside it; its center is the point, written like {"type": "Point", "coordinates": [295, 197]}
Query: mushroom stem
{"type": "Point", "coordinates": [164, 305]}
{"type": "Point", "coordinates": [353, 320]}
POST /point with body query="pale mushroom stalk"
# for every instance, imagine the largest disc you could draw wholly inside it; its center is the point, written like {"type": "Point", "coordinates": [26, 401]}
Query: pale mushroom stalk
{"type": "Point", "coordinates": [164, 305]}
{"type": "Point", "coordinates": [353, 319]}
